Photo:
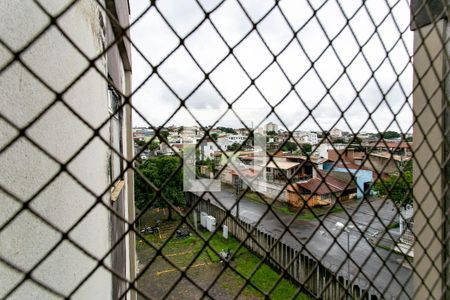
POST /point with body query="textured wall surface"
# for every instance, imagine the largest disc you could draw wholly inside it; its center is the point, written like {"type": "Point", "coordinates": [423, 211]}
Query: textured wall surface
{"type": "Point", "coordinates": [428, 172]}
{"type": "Point", "coordinates": [25, 169]}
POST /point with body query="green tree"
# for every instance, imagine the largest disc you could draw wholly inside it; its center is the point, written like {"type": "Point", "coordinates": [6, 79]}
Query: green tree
{"type": "Point", "coordinates": [227, 129]}
{"type": "Point", "coordinates": [306, 148]}
{"type": "Point", "coordinates": [163, 136]}
{"type": "Point", "coordinates": [289, 146]}
{"type": "Point", "coordinates": [158, 170]}
{"type": "Point", "coordinates": [339, 141]}
{"type": "Point", "coordinates": [211, 165]}
{"type": "Point", "coordinates": [233, 147]}
{"type": "Point", "coordinates": [215, 136]}
{"type": "Point", "coordinates": [396, 187]}
{"type": "Point", "coordinates": [406, 166]}
{"type": "Point", "coordinates": [140, 143]}
{"type": "Point", "coordinates": [355, 140]}
{"type": "Point", "coordinates": [153, 146]}
{"type": "Point", "coordinates": [389, 135]}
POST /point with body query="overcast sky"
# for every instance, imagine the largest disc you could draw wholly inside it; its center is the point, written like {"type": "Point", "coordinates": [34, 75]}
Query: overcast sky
{"type": "Point", "coordinates": [370, 79]}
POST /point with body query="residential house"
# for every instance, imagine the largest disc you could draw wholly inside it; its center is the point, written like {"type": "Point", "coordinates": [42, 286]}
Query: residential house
{"type": "Point", "coordinates": [321, 191]}
{"type": "Point", "coordinates": [280, 171]}
{"type": "Point", "coordinates": [385, 163]}
{"type": "Point", "coordinates": [347, 155]}
{"type": "Point", "coordinates": [396, 147]}
{"type": "Point", "coordinates": [363, 175]}
{"type": "Point", "coordinates": [308, 166]}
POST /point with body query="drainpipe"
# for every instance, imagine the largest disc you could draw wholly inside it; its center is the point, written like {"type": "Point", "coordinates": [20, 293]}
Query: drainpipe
{"type": "Point", "coordinates": [130, 181]}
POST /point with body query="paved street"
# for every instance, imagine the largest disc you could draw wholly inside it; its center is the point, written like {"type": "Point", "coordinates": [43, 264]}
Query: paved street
{"type": "Point", "coordinates": [389, 273]}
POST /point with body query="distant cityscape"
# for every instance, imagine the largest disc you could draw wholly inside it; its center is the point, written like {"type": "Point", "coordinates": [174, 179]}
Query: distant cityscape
{"type": "Point", "coordinates": [305, 167]}
{"type": "Point", "coordinates": [313, 143]}
{"type": "Point", "coordinates": [301, 155]}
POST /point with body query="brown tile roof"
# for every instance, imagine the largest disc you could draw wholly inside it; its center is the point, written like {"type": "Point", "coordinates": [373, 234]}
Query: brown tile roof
{"type": "Point", "coordinates": [329, 184]}
{"type": "Point", "coordinates": [245, 172]}
{"type": "Point", "coordinates": [345, 177]}
{"type": "Point", "coordinates": [350, 166]}
{"type": "Point", "coordinates": [282, 165]}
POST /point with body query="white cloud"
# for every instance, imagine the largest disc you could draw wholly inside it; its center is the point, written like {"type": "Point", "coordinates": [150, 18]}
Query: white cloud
{"type": "Point", "coordinates": [344, 74]}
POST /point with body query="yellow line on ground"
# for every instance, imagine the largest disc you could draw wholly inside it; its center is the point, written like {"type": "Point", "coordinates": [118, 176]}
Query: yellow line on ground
{"type": "Point", "coordinates": [172, 270]}
{"type": "Point", "coordinates": [175, 254]}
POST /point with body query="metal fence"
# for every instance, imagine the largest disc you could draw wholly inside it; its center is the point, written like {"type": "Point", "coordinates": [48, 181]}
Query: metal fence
{"type": "Point", "coordinates": [85, 200]}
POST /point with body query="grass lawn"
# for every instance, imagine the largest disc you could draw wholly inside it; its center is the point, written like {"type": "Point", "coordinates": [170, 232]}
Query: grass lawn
{"type": "Point", "coordinates": [182, 251]}
{"type": "Point", "coordinates": [245, 263]}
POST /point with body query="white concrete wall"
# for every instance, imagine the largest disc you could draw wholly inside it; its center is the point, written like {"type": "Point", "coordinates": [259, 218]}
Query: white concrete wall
{"type": "Point", "coordinates": [429, 177]}
{"type": "Point", "coordinates": [322, 150]}
{"type": "Point", "coordinates": [209, 149]}
{"type": "Point", "coordinates": [25, 169]}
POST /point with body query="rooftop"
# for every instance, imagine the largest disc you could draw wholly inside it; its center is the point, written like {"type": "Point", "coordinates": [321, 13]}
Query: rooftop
{"type": "Point", "coordinates": [391, 144]}
{"type": "Point", "coordinates": [282, 165]}
{"type": "Point", "coordinates": [388, 155]}
{"type": "Point", "coordinates": [331, 182]}
{"type": "Point", "coordinates": [321, 187]}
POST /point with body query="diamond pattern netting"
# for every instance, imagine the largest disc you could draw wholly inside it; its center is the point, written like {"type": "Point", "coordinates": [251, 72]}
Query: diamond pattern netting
{"type": "Point", "coordinates": [233, 47]}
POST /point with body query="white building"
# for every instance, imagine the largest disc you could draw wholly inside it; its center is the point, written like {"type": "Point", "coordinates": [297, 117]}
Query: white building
{"type": "Point", "coordinates": [143, 133]}
{"type": "Point", "coordinates": [312, 138]}
{"type": "Point", "coordinates": [307, 137]}
{"type": "Point", "coordinates": [271, 127]}
{"type": "Point", "coordinates": [242, 131]}
{"type": "Point", "coordinates": [223, 142]}
{"type": "Point", "coordinates": [208, 149]}
{"type": "Point", "coordinates": [322, 149]}
{"type": "Point", "coordinates": [298, 134]}
{"type": "Point", "coordinates": [174, 137]}
{"type": "Point", "coordinates": [336, 133]}
{"type": "Point", "coordinates": [96, 164]}
{"type": "Point", "coordinates": [236, 138]}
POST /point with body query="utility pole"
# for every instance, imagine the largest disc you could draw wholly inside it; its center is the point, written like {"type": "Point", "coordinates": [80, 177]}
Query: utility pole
{"type": "Point", "coordinates": [347, 230]}
{"type": "Point", "coordinates": [238, 191]}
